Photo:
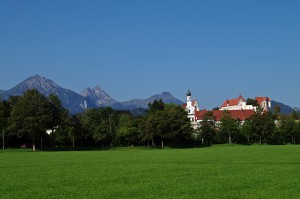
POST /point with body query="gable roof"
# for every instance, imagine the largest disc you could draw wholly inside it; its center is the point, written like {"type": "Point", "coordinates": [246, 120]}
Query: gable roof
{"type": "Point", "coordinates": [233, 102]}
{"type": "Point", "coordinates": [261, 99]}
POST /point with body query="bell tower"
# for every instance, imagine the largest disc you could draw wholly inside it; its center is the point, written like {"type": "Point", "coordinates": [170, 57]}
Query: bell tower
{"type": "Point", "coordinates": [188, 96]}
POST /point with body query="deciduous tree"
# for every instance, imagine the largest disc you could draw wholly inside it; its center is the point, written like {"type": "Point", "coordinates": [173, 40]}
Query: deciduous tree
{"type": "Point", "coordinates": [31, 116]}
{"type": "Point", "coordinates": [229, 126]}
{"type": "Point", "coordinates": [207, 128]}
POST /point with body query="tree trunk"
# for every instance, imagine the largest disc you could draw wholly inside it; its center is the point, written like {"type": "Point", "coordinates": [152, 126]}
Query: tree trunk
{"type": "Point", "coordinates": [293, 140]}
{"type": "Point", "coordinates": [259, 139]}
{"type": "Point", "coordinates": [73, 143]}
{"type": "Point", "coordinates": [162, 144]}
{"type": "Point", "coordinates": [229, 139]}
{"type": "Point", "coordinates": [3, 140]}
{"type": "Point", "coordinates": [41, 143]}
{"type": "Point", "coordinates": [33, 144]}
{"type": "Point", "coordinates": [52, 137]}
{"type": "Point", "coordinates": [248, 139]}
{"type": "Point", "coordinates": [152, 142]}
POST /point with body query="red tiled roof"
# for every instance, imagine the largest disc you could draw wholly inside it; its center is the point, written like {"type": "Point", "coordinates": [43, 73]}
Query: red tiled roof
{"type": "Point", "coordinates": [184, 105]}
{"type": "Point", "coordinates": [261, 99]}
{"type": "Point", "coordinates": [236, 114]}
{"type": "Point", "coordinates": [233, 102]}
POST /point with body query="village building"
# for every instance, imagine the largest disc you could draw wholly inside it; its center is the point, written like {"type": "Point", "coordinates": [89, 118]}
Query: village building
{"type": "Point", "coordinates": [241, 104]}
{"type": "Point", "coordinates": [237, 108]}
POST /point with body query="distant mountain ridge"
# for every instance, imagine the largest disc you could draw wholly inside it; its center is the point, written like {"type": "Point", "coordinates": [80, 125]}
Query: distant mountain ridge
{"type": "Point", "coordinates": [97, 97]}
{"type": "Point", "coordinates": [143, 103]}
{"type": "Point", "coordinates": [285, 109]}
{"type": "Point", "coordinates": [70, 99]}
{"type": "Point", "coordinates": [90, 97]}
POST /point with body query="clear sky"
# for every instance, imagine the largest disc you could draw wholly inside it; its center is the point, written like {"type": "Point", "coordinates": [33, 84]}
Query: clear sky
{"type": "Point", "coordinates": [134, 49]}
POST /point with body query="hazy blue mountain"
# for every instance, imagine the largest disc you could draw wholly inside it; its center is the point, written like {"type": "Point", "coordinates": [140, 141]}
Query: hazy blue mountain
{"type": "Point", "coordinates": [99, 96]}
{"type": "Point", "coordinates": [285, 109]}
{"type": "Point", "coordinates": [70, 99]}
{"type": "Point", "coordinates": [1, 91]}
{"type": "Point", "coordinates": [143, 103]}
{"type": "Point", "coordinates": [90, 97]}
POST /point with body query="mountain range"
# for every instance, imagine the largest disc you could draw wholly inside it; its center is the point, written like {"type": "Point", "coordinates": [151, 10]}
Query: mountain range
{"type": "Point", "coordinates": [96, 97]}
{"type": "Point", "coordinates": [89, 98]}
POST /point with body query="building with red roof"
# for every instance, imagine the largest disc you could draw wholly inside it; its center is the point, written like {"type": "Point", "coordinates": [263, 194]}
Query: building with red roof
{"type": "Point", "coordinates": [264, 102]}
{"type": "Point", "coordinates": [240, 115]}
{"type": "Point", "coordinates": [241, 104]}
{"type": "Point", "coordinates": [236, 107]}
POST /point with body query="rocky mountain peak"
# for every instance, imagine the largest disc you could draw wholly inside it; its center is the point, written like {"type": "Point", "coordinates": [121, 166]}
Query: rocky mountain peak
{"type": "Point", "coordinates": [40, 83]}
{"type": "Point", "coordinates": [98, 95]}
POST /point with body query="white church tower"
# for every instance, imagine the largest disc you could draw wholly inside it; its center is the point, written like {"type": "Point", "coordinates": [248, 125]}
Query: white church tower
{"type": "Point", "coordinates": [189, 98]}
{"type": "Point", "coordinates": [191, 106]}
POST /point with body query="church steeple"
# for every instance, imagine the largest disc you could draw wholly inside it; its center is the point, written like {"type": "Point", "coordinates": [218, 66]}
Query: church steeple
{"type": "Point", "coordinates": [189, 93]}
{"type": "Point", "coordinates": [188, 96]}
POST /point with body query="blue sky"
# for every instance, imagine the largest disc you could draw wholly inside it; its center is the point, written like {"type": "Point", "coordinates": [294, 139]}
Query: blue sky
{"type": "Point", "coordinates": [134, 49]}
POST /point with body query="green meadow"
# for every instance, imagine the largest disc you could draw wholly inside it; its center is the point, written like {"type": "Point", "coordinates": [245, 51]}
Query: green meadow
{"type": "Point", "coordinates": [212, 172]}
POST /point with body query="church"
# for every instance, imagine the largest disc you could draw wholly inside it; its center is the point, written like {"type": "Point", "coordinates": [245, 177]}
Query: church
{"type": "Point", "coordinates": [236, 107]}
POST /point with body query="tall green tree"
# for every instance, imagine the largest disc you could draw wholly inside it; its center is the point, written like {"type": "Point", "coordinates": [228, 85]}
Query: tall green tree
{"type": "Point", "coordinates": [3, 118]}
{"type": "Point", "coordinates": [31, 116]}
{"type": "Point", "coordinates": [60, 121]}
{"type": "Point", "coordinates": [155, 127]}
{"type": "Point", "coordinates": [127, 131]}
{"type": "Point", "coordinates": [263, 125]}
{"type": "Point", "coordinates": [295, 115]}
{"type": "Point", "coordinates": [229, 127]}
{"type": "Point", "coordinates": [156, 105]}
{"type": "Point", "coordinates": [247, 130]}
{"type": "Point", "coordinates": [287, 129]}
{"type": "Point", "coordinates": [166, 123]}
{"type": "Point", "coordinates": [277, 111]}
{"type": "Point", "coordinates": [207, 128]}
{"type": "Point", "coordinates": [74, 129]}
{"type": "Point", "coordinates": [178, 125]}
{"type": "Point", "coordinates": [101, 125]}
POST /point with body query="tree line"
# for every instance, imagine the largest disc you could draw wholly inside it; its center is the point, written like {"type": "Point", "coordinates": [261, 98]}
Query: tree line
{"type": "Point", "coordinates": [45, 124]}
{"type": "Point", "coordinates": [261, 128]}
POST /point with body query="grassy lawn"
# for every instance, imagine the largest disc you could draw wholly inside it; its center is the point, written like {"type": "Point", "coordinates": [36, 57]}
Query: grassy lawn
{"type": "Point", "coordinates": [214, 172]}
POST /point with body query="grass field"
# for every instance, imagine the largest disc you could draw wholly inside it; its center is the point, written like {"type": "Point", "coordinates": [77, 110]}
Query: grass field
{"type": "Point", "coordinates": [214, 172]}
